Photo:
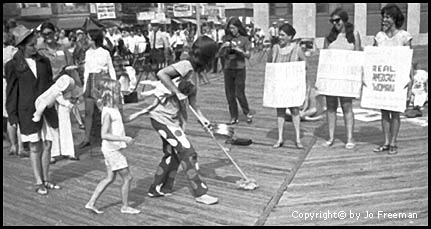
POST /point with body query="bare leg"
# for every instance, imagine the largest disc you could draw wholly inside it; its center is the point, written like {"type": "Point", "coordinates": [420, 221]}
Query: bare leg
{"type": "Point", "coordinates": [77, 115]}
{"type": "Point", "coordinates": [296, 119]}
{"type": "Point", "coordinates": [35, 158]}
{"type": "Point", "coordinates": [12, 135]}
{"type": "Point", "coordinates": [46, 156]}
{"type": "Point", "coordinates": [332, 104]}
{"type": "Point", "coordinates": [386, 126]}
{"type": "Point", "coordinates": [100, 188]}
{"type": "Point", "coordinates": [349, 121]}
{"type": "Point", "coordinates": [395, 124]}
{"type": "Point", "coordinates": [281, 114]}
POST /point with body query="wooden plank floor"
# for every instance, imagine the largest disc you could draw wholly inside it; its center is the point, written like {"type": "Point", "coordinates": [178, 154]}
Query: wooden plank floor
{"type": "Point", "coordinates": [334, 178]}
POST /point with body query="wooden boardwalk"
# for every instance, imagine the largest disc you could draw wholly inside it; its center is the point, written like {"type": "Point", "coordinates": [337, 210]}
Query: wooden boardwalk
{"type": "Point", "coordinates": [310, 180]}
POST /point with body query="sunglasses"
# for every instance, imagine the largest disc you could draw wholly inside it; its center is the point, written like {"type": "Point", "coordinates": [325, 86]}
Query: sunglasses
{"type": "Point", "coordinates": [337, 20]}
{"type": "Point", "coordinates": [47, 34]}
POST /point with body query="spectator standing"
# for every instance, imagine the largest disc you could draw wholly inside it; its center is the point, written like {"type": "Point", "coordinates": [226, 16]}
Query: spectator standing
{"type": "Point", "coordinates": [234, 51]}
{"type": "Point", "coordinates": [29, 74]}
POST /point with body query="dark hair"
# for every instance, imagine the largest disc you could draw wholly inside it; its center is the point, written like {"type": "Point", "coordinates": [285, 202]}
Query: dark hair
{"type": "Point", "coordinates": [187, 88]}
{"type": "Point", "coordinates": [47, 25]}
{"type": "Point", "coordinates": [349, 27]}
{"type": "Point", "coordinates": [203, 51]}
{"type": "Point", "coordinates": [97, 37]}
{"type": "Point", "coordinates": [288, 29]}
{"type": "Point", "coordinates": [236, 22]}
{"type": "Point", "coordinates": [395, 13]}
{"type": "Point", "coordinates": [10, 39]}
{"type": "Point", "coordinates": [122, 49]}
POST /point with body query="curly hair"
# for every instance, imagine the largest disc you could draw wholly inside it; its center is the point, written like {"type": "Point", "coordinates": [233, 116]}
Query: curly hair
{"type": "Point", "coordinates": [110, 93]}
{"type": "Point", "coordinates": [395, 13]}
{"type": "Point", "coordinates": [349, 27]}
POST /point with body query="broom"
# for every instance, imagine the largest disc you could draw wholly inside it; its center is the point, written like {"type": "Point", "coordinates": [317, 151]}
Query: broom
{"type": "Point", "coordinates": [246, 183]}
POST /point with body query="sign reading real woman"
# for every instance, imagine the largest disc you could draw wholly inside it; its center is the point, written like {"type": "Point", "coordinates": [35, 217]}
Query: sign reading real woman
{"type": "Point", "coordinates": [386, 75]}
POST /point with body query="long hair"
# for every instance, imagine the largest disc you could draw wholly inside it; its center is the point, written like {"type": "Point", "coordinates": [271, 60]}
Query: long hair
{"type": "Point", "coordinates": [111, 95]}
{"type": "Point", "coordinates": [395, 13]}
{"type": "Point", "coordinates": [203, 52]}
{"type": "Point", "coordinates": [236, 22]}
{"type": "Point", "coordinates": [349, 27]}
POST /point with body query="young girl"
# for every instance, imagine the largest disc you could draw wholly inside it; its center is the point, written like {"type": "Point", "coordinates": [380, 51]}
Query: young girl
{"type": "Point", "coordinates": [168, 119]}
{"type": "Point", "coordinates": [287, 51]}
{"type": "Point", "coordinates": [113, 140]}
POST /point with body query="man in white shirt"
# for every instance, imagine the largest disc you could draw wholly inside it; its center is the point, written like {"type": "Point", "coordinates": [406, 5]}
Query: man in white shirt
{"type": "Point", "coordinates": [273, 33]}
{"type": "Point", "coordinates": [159, 46]}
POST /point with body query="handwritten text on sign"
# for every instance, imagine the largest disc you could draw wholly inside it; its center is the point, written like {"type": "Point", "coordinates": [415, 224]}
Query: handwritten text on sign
{"type": "Point", "coordinates": [386, 73]}
{"type": "Point", "coordinates": [284, 84]}
{"type": "Point", "coordinates": [339, 73]}
{"type": "Point", "coordinates": [105, 10]}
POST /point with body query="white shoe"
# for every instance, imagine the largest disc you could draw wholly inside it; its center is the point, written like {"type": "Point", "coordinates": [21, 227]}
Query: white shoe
{"type": "Point", "coordinates": [206, 199]}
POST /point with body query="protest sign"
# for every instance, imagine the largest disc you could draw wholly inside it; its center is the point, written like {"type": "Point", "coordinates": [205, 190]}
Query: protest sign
{"type": "Point", "coordinates": [284, 84]}
{"type": "Point", "coordinates": [386, 74]}
{"type": "Point", "coordinates": [339, 73]}
{"type": "Point", "coordinates": [105, 10]}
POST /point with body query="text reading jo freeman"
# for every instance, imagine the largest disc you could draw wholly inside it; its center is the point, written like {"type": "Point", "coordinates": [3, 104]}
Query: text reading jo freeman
{"type": "Point", "coordinates": [325, 215]}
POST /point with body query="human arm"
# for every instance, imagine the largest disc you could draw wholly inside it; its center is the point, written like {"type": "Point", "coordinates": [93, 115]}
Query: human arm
{"type": "Point", "coordinates": [165, 75]}
{"type": "Point", "coordinates": [245, 50]}
{"type": "Point", "coordinates": [141, 112]}
{"type": "Point", "coordinates": [11, 93]}
{"type": "Point", "coordinates": [358, 46]}
{"type": "Point", "coordinates": [86, 70]}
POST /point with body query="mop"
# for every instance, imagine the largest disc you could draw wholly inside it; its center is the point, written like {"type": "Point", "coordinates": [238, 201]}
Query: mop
{"type": "Point", "coordinates": [246, 183]}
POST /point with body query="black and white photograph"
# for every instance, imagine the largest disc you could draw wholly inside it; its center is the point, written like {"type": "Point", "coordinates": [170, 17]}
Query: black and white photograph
{"type": "Point", "coordinates": [215, 114]}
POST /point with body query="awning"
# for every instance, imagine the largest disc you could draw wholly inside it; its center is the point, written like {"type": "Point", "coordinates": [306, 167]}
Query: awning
{"type": "Point", "coordinates": [190, 20]}
{"type": "Point", "coordinates": [178, 20]}
{"type": "Point", "coordinates": [69, 23]}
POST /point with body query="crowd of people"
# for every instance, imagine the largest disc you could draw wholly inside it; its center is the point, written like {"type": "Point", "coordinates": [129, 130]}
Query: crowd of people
{"type": "Point", "coordinates": [101, 66]}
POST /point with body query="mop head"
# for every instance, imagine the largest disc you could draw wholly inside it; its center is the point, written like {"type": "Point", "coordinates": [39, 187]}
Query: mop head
{"type": "Point", "coordinates": [247, 184]}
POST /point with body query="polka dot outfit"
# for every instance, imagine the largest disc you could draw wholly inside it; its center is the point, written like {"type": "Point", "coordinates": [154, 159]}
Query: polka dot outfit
{"type": "Point", "coordinates": [177, 151]}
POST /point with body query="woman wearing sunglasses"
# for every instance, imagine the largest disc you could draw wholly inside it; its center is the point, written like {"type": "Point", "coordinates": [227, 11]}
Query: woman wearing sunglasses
{"type": "Point", "coordinates": [341, 36]}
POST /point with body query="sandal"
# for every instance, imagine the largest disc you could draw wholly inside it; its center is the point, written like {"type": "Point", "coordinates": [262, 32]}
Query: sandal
{"type": "Point", "coordinates": [249, 118]}
{"type": "Point", "coordinates": [381, 148]}
{"type": "Point", "coordinates": [393, 149]}
{"type": "Point", "coordinates": [328, 143]}
{"type": "Point", "coordinates": [41, 189]}
{"type": "Point", "coordinates": [350, 145]}
{"type": "Point", "coordinates": [233, 122]}
{"type": "Point", "coordinates": [278, 145]}
{"type": "Point", "coordinates": [50, 185]}
{"type": "Point", "coordinates": [299, 145]}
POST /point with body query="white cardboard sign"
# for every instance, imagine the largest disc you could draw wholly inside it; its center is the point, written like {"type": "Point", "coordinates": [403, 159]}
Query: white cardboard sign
{"type": "Point", "coordinates": [285, 84]}
{"type": "Point", "coordinates": [339, 73]}
{"type": "Point", "coordinates": [386, 74]}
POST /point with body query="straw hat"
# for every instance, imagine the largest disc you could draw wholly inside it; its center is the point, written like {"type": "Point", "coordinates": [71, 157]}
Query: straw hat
{"type": "Point", "coordinates": [21, 33]}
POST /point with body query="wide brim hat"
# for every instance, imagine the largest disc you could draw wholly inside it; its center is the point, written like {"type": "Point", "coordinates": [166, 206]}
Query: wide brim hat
{"type": "Point", "coordinates": [21, 33]}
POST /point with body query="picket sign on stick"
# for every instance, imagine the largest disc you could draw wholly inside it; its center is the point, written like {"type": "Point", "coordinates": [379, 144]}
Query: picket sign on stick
{"type": "Point", "coordinates": [285, 84]}
{"type": "Point", "coordinates": [339, 73]}
{"type": "Point", "coordinates": [386, 74]}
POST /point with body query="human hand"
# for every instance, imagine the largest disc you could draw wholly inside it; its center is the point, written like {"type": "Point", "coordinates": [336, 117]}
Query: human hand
{"type": "Point", "coordinates": [129, 140]}
{"type": "Point", "coordinates": [181, 96]}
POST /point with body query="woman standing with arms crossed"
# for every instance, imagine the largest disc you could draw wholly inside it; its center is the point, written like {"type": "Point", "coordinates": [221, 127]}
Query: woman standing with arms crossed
{"type": "Point", "coordinates": [391, 35]}
{"type": "Point", "coordinates": [235, 49]}
{"type": "Point", "coordinates": [342, 36]}
{"type": "Point", "coordinates": [287, 51]}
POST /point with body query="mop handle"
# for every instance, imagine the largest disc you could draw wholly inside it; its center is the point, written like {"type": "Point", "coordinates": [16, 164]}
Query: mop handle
{"type": "Point", "coordinates": [215, 140]}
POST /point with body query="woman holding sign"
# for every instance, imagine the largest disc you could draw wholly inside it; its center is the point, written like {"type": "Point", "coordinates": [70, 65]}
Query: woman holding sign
{"type": "Point", "coordinates": [391, 35]}
{"type": "Point", "coordinates": [342, 36]}
{"type": "Point", "coordinates": [287, 51]}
